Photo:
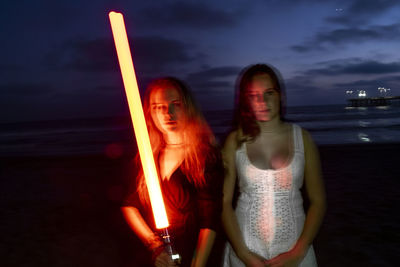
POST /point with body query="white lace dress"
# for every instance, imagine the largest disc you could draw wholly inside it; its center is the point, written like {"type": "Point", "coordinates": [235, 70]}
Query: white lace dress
{"type": "Point", "coordinates": [270, 207]}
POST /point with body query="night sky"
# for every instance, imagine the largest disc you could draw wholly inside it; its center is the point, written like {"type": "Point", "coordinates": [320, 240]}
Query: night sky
{"type": "Point", "coordinates": [58, 58]}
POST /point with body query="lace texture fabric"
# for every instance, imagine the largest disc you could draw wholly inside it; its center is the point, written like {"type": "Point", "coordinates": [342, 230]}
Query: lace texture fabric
{"type": "Point", "coordinates": [270, 210]}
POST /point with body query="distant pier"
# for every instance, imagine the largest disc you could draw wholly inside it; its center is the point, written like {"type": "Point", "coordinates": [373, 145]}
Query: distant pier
{"type": "Point", "coordinates": [374, 101]}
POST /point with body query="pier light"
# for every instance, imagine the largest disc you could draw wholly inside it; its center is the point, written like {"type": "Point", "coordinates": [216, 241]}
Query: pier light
{"type": "Point", "coordinates": [383, 91]}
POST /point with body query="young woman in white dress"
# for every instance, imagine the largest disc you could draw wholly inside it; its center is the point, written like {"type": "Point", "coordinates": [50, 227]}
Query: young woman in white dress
{"type": "Point", "coordinates": [270, 160]}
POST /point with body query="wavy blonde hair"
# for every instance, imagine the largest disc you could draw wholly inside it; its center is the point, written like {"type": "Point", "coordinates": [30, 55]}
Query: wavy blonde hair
{"type": "Point", "coordinates": [197, 135]}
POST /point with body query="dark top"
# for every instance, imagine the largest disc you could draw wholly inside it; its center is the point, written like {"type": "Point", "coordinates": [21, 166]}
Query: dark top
{"type": "Point", "coordinates": [188, 208]}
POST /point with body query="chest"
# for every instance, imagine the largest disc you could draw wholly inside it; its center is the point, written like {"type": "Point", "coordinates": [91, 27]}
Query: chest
{"type": "Point", "coordinates": [169, 161]}
{"type": "Point", "coordinates": [254, 179]}
{"type": "Point", "coordinates": [273, 152]}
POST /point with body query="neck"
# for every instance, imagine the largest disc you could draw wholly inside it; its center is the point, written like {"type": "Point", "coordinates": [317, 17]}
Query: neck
{"type": "Point", "coordinates": [173, 139]}
{"type": "Point", "coordinates": [271, 126]}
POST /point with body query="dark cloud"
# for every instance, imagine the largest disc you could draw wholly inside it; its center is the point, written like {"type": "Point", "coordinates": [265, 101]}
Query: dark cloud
{"type": "Point", "coordinates": [390, 79]}
{"type": "Point", "coordinates": [355, 84]}
{"type": "Point", "coordinates": [213, 73]}
{"type": "Point", "coordinates": [351, 35]}
{"type": "Point", "coordinates": [361, 11]}
{"type": "Point", "coordinates": [373, 83]}
{"type": "Point", "coordinates": [150, 54]}
{"type": "Point", "coordinates": [83, 55]}
{"type": "Point", "coordinates": [211, 87]}
{"type": "Point", "coordinates": [214, 80]}
{"type": "Point", "coordinates": [300, 84]}
{"type": "Point", "coordinates": [355, 66]}
{"type": "Point", "coordinates": [371, 7]}
{"type": "Point", "coordinates": [106, 89]}
{"type": "Point", "coordinates": [26, 89]}
{"type": "Point", "coordinates": [10, 67]}
{"type": "Point", "coordinates": [306, 47]}
{"type": "Point", "coordinates": [197, 15]}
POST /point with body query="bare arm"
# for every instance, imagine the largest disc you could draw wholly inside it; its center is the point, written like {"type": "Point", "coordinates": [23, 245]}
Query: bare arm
{"type": "Point", "coordinates": [140, 227]}
{"type": "Point", "coordinates": [229, 220]}
{"type": "Point", "coordinates": [315, 191]}
{"type": "Point", "coordinates": [203, 248]}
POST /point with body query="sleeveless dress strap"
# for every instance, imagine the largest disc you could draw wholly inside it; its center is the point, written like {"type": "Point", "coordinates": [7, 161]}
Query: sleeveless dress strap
{"type": "Point", "coordinates": [298, 138]}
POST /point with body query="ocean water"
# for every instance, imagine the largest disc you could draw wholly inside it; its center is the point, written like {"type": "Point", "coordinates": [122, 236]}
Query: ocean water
{"type": "Point", "coordinates": [331, 124]}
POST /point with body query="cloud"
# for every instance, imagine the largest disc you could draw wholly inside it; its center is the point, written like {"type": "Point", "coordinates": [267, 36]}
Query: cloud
{"type": "Point", "coordinates": [4, 67]}
{"type": "Point", "coordinates": [26, 89]}
{"type": "Point", "coordinates": [212, 87]}
{"type": "Point", "coordinates": [355, 66]}
{"type": "Point", "coordinates": [353, 35]}
{"type": "Point", "coordinates": [213, 73]}
{"type": "Point", "coordinates": [373, 83]}
{"type": "Point", "coordinates": [301, 84]}
{"type": "Point", "coordinates": [362, 11]}
{"type": "Point", "coordinates": [82, 55]}
{"type": "Point", "coordinates": [304, 48]}
{"type": "Point", "coordinates": [214, 80]}
{"type": "Point", "coordinates": [151, 54]}
{"type": "Point", "coordinates": [106, 89]}
{"type": "Point", "coordinates": [350, 35]}
{"type": "Point", "coordinates": [197, 15]}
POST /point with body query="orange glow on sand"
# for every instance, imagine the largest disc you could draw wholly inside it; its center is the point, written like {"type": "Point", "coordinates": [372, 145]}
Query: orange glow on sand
{"type": "Point", "coordinates": [137, 116]}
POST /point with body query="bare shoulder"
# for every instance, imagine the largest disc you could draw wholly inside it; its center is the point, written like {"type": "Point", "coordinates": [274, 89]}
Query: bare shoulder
{"type": "Point", "coordinates": [231, 142]}
{"type": "Point", "coordinates": [310, 148]}
{"type": "Point", "coordinates": [307, 139]}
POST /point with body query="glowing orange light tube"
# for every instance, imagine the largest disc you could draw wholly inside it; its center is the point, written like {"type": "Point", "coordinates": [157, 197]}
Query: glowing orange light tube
{"type": "Point", "coordinates": [138, 121]}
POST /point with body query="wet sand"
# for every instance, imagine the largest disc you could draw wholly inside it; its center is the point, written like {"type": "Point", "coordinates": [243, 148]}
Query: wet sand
{"type": "Point", "coordinates": [64, 211]}
{"type": "Point", "coordinates": [362, 224]}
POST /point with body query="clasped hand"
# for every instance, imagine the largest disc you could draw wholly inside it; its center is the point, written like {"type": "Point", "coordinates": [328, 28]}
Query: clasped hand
{"type": "Point", "coordinates": [291, 258]}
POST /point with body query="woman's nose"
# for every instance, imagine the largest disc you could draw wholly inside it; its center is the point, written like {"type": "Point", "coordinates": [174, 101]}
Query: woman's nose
{"type": "Point", "coordinates": [265, 98]}
{"type": "Point", "coordinates": [171, 110]}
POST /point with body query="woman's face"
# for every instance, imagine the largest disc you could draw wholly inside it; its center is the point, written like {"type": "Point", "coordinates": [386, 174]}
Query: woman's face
{"type": "Point", "coordinates": [167, 109]}
{"type": "Point", "coordinates": [263, 97]}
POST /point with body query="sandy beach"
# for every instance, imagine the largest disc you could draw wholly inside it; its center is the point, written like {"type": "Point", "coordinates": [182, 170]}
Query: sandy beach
{"type": "Point", "coordinates": [64, 211]}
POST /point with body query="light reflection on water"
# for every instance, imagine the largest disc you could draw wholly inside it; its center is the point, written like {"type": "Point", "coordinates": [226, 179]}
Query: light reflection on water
{"type": "Point", "coordinates": [364, 137]}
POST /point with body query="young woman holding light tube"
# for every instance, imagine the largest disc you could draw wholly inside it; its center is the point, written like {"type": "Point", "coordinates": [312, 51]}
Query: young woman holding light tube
{"type": "Point", "coordinates": [190, 172]}
{"type": "Point", "coordinates": [270, 160]}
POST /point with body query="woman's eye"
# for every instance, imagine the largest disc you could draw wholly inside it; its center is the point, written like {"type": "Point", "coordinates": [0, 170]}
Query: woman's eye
{"type": "Point", "coordinates": [158, 107]}
{"type": "Point", "coordinates": [270, 92]}
{"type": "Point", "coordinates": [253, 96]}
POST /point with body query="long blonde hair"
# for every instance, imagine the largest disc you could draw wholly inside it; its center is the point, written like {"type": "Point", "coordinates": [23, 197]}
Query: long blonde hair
{"type": "Point", "coordinates": [198, 137]}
